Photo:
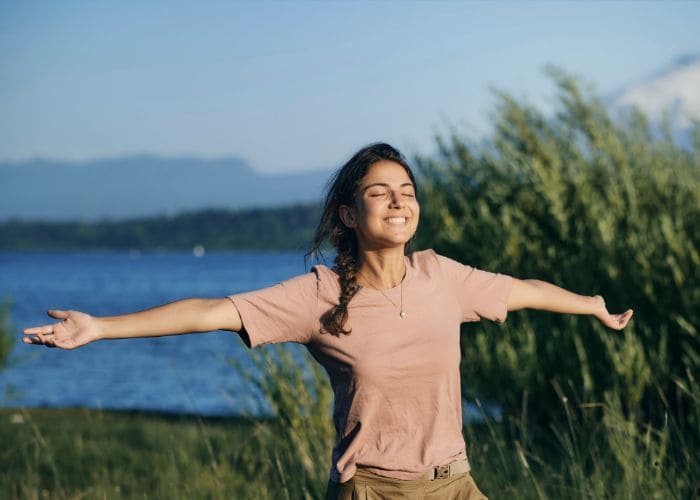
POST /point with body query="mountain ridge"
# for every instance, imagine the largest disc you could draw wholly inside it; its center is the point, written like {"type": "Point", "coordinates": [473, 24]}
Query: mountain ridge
{"type": "Point", "coordinates": [145, 185]}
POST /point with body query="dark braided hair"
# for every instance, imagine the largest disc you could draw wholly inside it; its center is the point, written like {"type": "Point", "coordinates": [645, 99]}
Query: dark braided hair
{"type": "Point", "coordinates": [342, 190]}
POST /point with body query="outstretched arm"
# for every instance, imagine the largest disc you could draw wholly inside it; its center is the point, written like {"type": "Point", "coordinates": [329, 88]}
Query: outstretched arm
{"type": "Point", "coordinates": [183, 316]}
{"type": "Point", "coordinates": [536, 294]}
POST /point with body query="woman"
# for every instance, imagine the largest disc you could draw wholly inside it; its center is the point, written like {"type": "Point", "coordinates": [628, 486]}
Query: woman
{"type": "Point", "coordinates": [384, 325]}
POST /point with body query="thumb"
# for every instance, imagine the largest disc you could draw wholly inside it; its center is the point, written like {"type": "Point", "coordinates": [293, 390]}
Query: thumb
{"type": "Point", "coordinates": [54, 313]}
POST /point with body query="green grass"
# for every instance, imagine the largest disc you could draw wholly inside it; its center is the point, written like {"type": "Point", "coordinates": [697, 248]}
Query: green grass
{"type": "Point", "coordinates": [599, 451]}
{"type": "Point", "coordinates": [77, 453]}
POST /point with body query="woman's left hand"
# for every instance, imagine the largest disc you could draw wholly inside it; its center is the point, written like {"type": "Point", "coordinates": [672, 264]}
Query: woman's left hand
{"type": "Point", "coordinates": [614, 321]}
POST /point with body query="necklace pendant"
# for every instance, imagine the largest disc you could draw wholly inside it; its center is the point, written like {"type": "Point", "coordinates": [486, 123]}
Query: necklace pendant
{"type": "Point", "coordinates": [402, 314]}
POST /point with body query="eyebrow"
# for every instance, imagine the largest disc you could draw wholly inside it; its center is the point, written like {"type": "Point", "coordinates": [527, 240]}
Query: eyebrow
{"type": "Point", "coordinates": [384, 184]}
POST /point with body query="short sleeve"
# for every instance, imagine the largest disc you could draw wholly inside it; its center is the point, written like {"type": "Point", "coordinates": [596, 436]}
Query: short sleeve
{"type": "Point", "coordinates": [481, 294]}
{"type": "Point", "coordinates": [286, 312]}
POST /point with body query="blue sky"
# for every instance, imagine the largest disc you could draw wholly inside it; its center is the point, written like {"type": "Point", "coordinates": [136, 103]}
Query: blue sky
{"type": "Point", "coordinates": [300, 85]}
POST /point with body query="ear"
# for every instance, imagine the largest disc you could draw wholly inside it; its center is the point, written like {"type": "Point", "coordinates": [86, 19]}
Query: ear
{"type": "Point", "coordinates": [348, 216]}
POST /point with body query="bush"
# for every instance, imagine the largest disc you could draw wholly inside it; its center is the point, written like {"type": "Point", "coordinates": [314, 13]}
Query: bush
{"type": "Point", "coordinates": [595, 206]}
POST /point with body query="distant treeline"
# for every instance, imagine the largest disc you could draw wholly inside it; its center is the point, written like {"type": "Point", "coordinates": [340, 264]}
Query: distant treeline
{"type": "Point", "coordinates": [284, 228]}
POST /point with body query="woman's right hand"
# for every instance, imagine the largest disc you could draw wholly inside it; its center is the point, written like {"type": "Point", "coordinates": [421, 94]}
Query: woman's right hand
{"type": "Point", "coordinates": [181, 316]}
{"type": "Point", "coordinates": [76, 329]}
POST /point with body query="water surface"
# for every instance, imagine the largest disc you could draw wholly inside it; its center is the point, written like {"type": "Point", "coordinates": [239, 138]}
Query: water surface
{"type": "Point", "coordinates": [184, 373]}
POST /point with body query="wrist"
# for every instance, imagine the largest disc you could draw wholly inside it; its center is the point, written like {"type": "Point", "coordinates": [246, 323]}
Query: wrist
{"type": "Point", "coordinates": [100, 328]}
{"type": "Point", "coordinates": [597, 305]}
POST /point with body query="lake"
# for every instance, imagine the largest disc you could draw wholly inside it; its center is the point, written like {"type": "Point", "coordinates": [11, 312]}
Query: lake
{"type": "Point", "coordinates": [186, 373]}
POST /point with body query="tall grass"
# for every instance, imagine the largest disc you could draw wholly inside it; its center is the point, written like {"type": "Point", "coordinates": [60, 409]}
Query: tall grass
{"type": "Point", "coordinates": [293, 452]}
{"type": "Point", "coordinates": [590, 450]}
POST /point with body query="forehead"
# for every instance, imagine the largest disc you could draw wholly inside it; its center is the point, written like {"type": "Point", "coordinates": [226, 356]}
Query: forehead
{"type": "Point", "coordinates": [386, 172]}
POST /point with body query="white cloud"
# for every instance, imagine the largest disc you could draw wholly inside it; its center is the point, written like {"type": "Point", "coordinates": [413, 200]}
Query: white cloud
{"type": "Point", "coordinates": [675, 90]}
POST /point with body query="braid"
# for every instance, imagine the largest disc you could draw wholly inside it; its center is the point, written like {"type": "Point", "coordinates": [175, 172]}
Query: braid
{"type": "Point", "coordinates": [334, 320]}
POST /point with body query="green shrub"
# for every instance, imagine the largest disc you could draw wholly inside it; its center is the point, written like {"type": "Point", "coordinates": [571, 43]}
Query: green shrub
{"type": "Point", "coordinates": [595, 206]}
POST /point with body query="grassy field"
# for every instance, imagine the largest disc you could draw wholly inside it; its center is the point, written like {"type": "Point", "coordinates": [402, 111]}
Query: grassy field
{"type": "Point", "coordinates": [78, 453]}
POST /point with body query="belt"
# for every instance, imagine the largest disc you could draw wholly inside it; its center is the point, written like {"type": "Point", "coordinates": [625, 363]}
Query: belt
{"type": "Point", "coordinates": [447, 470]}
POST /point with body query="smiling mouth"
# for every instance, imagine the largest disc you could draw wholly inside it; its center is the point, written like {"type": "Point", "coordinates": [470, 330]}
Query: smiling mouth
{"type": "Point", "coordinates": [396, 220]}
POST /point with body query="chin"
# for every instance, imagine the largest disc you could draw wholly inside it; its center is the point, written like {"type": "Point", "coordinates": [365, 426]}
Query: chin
{"type": "Point", "coordinates": [398, 242]}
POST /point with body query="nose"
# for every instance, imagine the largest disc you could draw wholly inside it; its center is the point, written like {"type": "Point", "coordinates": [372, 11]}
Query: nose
{"type": "Point", "coordinates": [396, 199]}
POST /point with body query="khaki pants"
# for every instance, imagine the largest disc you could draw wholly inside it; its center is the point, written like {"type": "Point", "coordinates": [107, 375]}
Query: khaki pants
{"type": "Point", "coordinates": [365, 485]}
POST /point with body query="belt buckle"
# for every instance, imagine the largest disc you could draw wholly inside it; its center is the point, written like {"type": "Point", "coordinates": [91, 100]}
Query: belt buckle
{"type": "Point", "coordinates": [442, 471]}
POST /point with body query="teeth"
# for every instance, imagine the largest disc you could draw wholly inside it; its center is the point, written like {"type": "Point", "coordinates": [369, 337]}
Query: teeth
{"type": "Point", "coordinates": [396, 220]}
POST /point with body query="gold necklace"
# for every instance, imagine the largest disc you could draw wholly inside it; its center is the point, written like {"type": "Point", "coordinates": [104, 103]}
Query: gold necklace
{"type": "Point", "coordinates": [402, 313]}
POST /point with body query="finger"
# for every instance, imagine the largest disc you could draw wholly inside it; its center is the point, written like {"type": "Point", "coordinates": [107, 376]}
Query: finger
{"type": "Point", "coordinates": [47, 340]}
{"type": "Point", "coordinates": [58, 314]}
{"type": "Point", "coordinates": [44, 329]}
{"type": "Point", "coordinates": [623, 319]}
{"type": "Point", "coordinates": [32, 339]}
{"type": "Point", "coordinates": [626, 317]}
{"type": "Point", "coordinates": [40, 339]}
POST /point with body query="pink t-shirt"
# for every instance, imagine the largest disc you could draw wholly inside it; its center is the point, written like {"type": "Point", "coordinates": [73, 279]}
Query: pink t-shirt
{"type": "Point", "coordinates": [398, 404]}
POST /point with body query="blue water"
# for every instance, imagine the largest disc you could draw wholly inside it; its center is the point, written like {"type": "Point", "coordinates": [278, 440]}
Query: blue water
{"type": "Point", "coordinates": [186, 373]}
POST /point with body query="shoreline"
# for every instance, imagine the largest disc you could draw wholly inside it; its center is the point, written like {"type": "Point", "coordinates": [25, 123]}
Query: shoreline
{"type": "Point", "coordinates": [160, 415]}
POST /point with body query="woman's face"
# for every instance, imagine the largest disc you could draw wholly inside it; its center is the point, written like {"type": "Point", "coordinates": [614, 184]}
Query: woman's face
{"type": "Point", "coordinates": [386, 211]}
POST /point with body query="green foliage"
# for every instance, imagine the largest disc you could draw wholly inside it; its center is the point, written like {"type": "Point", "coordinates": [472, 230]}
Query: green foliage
{"type": "Point", "coordinates": [596, 451]}
{"type": "Point", "coordinates": [595, 206]}
{"type": "Point", "coordinates": [294, 452]}
{"type": "Point", "coordinates": [286, 228]}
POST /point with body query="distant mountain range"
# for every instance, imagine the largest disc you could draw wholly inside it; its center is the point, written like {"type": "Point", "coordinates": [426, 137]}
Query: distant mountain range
{"type": "Point", "coordinates": [672, 93]}
{"type": "Point", "coordinates": [136, 186]}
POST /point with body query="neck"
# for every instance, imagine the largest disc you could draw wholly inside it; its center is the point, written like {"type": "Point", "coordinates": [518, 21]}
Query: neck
{"type": "Point", "coordinates": [381, 269]}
